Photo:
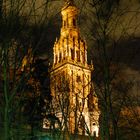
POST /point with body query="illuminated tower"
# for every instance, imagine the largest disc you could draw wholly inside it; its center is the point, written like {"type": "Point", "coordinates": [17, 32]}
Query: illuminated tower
{"type": "Point", "coordinates": [71, 77]}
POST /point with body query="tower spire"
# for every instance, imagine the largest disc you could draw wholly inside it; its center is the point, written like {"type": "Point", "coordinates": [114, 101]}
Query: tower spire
{"type": "Point", "coordinates": [69, 2]}
{"type": "Point", "coordinates": [69, 75]}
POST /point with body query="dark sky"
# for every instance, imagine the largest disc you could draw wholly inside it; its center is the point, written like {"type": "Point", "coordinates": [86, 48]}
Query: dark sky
{"type": "Point", "coordinates": [128, 47]}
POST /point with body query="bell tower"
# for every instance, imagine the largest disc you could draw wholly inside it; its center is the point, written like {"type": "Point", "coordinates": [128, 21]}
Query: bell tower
{"type": "Point", "coordinates": [71, 76]}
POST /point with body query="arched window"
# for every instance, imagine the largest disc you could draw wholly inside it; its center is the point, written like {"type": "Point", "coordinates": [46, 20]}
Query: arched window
{"type": "Point", "coordinates": [60, 56]}
{"type": "Point", "coordinates": [78, 55]}
{"type": "Point", "coordinates": [64, 23]}
{"type": "Point", "coordinates": [74, 22]}
{"type": "Point", "coordinates": [72, 54]}
{"type": "Point", "coordinates": [94, 133]}
{"type": "Point", "coordinates": [78, 78]}
{"type": "Point", "coordinates": [83, 57]}
{"type": "Point", "coordinates": [73, 40]}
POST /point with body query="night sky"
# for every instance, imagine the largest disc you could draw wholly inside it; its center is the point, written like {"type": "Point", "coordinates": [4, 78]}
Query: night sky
{"type": "Point", "coordinates": [126, 32]}
{"type": "Point", "coordinates": [128, 48]}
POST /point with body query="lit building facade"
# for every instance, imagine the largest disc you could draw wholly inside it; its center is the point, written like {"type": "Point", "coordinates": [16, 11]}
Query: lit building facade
{"type": "Point", "coordinates": [74, 100]}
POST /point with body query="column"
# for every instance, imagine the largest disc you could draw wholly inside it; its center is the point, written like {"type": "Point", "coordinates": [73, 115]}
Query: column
{"type": "Point", "coordinates": [65, 47]}
{"type": "Point", "coordinates": [54, 52]}
{"type": "Point", "coordinates": [74, 46]}
{"type": "Point", "coordinates": [67, 21]}
{"type": "Point", "coordinates": [63, 50]}
{"type": "Point", "coordinates": [58, 56]}
{"type": "Point", "coordinates": [68, 48]}
{"type": "Point", "coordinates": [85, 53]}
{"type": "Point", "coordinates": [79, 46]}
{"type": "Point", "coordinates": [62, 53]}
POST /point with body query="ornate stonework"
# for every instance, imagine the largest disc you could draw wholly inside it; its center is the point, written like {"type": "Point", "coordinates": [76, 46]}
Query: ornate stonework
{"type": "Point", "coordinates": [71, 78]}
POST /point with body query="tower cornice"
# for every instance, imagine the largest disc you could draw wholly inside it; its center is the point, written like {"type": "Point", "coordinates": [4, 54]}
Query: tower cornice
{"type": "Point", "coordinates": [87, 67]}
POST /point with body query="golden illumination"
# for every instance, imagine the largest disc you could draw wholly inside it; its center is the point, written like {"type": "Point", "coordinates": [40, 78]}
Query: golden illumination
{"type": "Point", "coordinates": [27, 59]}
{"type": "Point", "coordinates": [71, 77]}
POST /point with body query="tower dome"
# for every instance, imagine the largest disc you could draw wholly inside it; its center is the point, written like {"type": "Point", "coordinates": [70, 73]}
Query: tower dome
{"type": "Point", "coordinates": [69, 15]}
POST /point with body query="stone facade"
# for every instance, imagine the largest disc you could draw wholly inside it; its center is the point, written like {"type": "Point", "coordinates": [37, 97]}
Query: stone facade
{"type": "Point", "coordinates": [71, 85]}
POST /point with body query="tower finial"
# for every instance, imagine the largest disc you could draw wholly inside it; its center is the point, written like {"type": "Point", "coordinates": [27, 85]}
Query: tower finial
{"type": "Point", "coordinates": [69, 2]}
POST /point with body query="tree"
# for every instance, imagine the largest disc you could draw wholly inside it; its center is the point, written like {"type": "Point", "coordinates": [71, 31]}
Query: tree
{"type": "Point", "coordinates": [112, 89]}
{"type": "Point", "coordinates": [17, 24]}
